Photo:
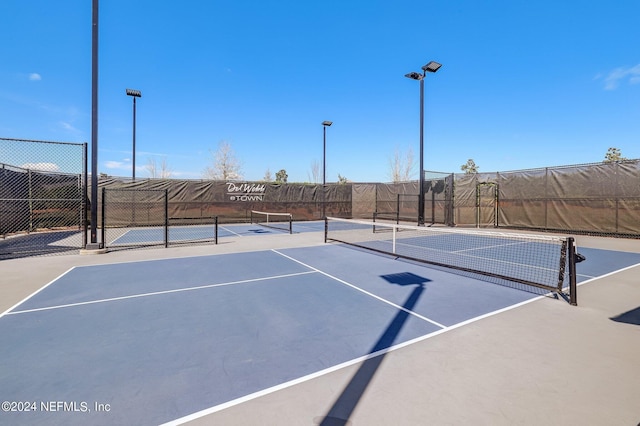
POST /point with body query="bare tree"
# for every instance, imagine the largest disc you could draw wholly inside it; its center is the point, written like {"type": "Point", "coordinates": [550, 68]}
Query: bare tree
{"type": "Point", "coordinates": [613, 155]}
{"type": "Point", "coordinates": [267, 175]}
{"type": "Point", "coordinates": [162, 171]}
{"type": "Point", "coordinates": [469, 167]}
{"type": "Point", "coordinates": [225, 165]}
{"type": "Point", "coordinates": [315, 171]}
{"type": "Point", "coordinates": [401, 166]}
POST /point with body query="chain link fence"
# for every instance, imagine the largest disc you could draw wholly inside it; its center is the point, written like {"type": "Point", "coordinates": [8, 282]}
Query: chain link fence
{"type": "Point", "coordinates": [140, 218]}
{"type": "Point", "coordinates": [44, 203]}
{"type": "Point", "coordinates": [42, 197]}
{"type": "Point", "coordinates": [596, 199]}
{"type": "Point", "coordinates": [400, 201]}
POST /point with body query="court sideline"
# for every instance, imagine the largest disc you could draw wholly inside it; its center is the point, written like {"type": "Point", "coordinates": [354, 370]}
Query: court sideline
{"type": "Point", "coordinates": [541, 362]}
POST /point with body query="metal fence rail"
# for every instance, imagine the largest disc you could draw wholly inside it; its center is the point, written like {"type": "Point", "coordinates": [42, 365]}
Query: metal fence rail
{"type": "Point", "coordinates": [44, 202]}
{"type": "Point", "coordinates": [140, 218]}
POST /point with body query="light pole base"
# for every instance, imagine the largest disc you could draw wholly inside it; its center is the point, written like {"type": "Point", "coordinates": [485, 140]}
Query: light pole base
{"type": "Point", "coordinates": [93, 248]}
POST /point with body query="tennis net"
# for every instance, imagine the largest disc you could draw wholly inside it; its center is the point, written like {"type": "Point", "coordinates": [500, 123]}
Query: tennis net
{"type": "Point", "coordinates": [281, 221]}
{"type": "Point", "coordinates": [542, 261]}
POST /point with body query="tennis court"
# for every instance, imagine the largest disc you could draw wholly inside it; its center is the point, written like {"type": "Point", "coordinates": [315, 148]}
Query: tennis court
{"type": "Point", "coordinates": [131, 237]}
{"type": "Point", "coordinates": [285, 329]}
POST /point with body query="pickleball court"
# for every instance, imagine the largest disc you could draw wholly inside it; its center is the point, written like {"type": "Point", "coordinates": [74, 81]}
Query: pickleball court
{"type": "Point", "coordinates": [178, 339]}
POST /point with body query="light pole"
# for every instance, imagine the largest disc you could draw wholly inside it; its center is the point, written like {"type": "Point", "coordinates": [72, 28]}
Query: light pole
{"type": "Point", "coordinates": [325, 124]}
{"type": "Point", "coordinates": [430, 67]}
{"type": "Point", "coordinates": [93, 244]}
{"type": "Point", "coordinates": [134, 94]}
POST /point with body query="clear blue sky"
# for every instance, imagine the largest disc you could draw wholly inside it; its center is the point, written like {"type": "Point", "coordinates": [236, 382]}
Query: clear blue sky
{"type": "Point", "coordinates": [524, 84]}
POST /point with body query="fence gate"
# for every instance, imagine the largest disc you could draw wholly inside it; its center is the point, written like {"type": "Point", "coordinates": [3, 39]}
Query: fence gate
{"type": "Point", "coordinates": [486, 205]}
{"type": "Point", "coordinates": [43, 198]}
{"type": "Point", "coordinates": [439, 198]}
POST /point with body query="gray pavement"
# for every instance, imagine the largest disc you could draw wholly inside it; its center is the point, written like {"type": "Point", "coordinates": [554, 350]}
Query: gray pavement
{"type": "Point", "coordinates": [544, 362]}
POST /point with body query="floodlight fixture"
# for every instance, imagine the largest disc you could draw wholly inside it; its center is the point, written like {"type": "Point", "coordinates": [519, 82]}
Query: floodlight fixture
{"type": "Point", "coordinates": [135, 94]}
{"type": "Point", "coordinates": [432, 66]}
{"type": "Point", "coordinates": [414, 76]}
{"type": "Point", "coordinates": [327, 123]}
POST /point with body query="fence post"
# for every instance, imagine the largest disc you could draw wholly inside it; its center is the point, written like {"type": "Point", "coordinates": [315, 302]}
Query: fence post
{"type": "Point", "coordinates": [166, 218]}
{"type": "Point", "coordinates": [103, 219]}
{"type": "Point", "coordinates": [616, 194]}
{"type": "Point", "coordinates": [84, 192]}
{"type": "Point", "coordinates": [573, 297]}
{"type": "Point", "coordinates": [2, 229]}
{"type": "Point", "coordinates": [30, 202]}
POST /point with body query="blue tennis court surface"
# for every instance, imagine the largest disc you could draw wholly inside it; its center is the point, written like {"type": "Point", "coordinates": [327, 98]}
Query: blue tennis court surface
{"type": "Point", "coordinates": [155, 235]}
{"type": "Point", "coordinates": [153, 341]}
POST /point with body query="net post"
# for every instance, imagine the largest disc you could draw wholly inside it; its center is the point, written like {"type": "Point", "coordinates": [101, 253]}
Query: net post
{"type": "Point", "coordinates": [215, 230]}
{"type": "Point", "coordinates": [573, 297]}
{"type": "Point", "coordinates": [326, 228]}
{"type": "Point", "coordinates": [394, 239]}
{"type": "Point", "coordinates": [398, 209]}
{"type": "Point", "coordinates": [375, 215]}
{"type": "Point", "coordinates": [290, 224]}
{"type": "Point", "coordinates": [166, 218]}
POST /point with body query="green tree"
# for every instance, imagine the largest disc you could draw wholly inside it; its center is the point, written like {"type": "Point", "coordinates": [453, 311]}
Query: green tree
{"type": "Point", "coordinates": [469, 167]}
{"type": "Point", "coordinates": [342, 180]}
{"type": "Point", "coordinates": [613, 155]}
{"type": "Point", "coordinates": [281, 176]}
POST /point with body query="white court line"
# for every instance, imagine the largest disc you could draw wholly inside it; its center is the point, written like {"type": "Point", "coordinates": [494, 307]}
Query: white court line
{"type": "Point", "coordinates": [481, 258]}
{"type": "Point", "coordinates": [310, 227]}
{"type": "Point", "coordinates": [156, 293]}
{"type": "Point", "coordinates": [229, 230]}
{"type": "Point", "coordinates": [8, 311]}
{"type": "Point", "coordinates": [363, 291]}
{"type": "Point", "coordinates": [91, 265]}
{"type": "Point", "coordinates": [607, 275]}
{"type": "Point", "coordinates": [326, 371]}
{"type": "Point", "coordinates": [492, 246]}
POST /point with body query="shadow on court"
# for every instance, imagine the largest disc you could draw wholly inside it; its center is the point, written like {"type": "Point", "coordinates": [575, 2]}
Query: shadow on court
{"type": "Point", "coordinates": [38, 244]}
{"type": "Point", "coordinates": [629, 317]}
{"type": "Point", "coordinates": [346, 403]}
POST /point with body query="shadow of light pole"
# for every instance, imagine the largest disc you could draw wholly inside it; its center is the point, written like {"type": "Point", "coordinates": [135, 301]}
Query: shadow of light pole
{"type": "Point", "coordinates": [346, 403]}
